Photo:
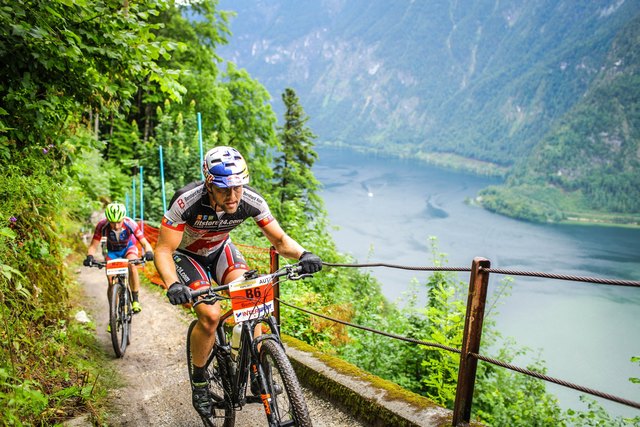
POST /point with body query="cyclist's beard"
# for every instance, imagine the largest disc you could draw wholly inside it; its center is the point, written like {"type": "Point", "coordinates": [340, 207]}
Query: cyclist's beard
{"type": "Point", "coordinates": [218, 203]}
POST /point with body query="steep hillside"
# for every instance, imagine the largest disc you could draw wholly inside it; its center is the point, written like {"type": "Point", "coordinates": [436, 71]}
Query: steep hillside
{"type": "Point", "coordinates": [590, 160]}
{"type": "Point", "coordinates": [483, 80]}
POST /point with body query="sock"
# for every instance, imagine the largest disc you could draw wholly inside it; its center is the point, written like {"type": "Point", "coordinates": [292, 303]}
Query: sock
{"type": "Point", "coordinates": [198, 375]}
{"type": "Point", "coordinates": [134, 295]}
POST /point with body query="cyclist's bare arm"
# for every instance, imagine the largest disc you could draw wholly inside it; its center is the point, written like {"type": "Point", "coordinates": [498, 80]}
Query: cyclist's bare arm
{"type": "Point", "coordinates": [145, 243]}
{"type": "Point", "coordinates": [168, 242]}
{"type": "Point", "coordinates": [285, 245]}
{"type": "Point", "coordinates": [93, 247]}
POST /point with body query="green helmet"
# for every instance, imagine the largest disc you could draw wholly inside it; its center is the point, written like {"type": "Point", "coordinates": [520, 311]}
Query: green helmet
{"type": "Point", "coordinates": [115, 212]}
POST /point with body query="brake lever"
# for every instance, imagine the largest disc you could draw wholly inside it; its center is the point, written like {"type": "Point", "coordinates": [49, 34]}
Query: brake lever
{"type": "Point", "coordinates": [297, 276]}
{"type": "Point", "coordinates": [207, 299]}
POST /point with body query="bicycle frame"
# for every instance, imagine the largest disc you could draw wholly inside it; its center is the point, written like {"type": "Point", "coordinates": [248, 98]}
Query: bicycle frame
{"type": "Point", "coordinates": [247, 354]}
{"type": "Point", "coordinates": [252, 353]}
{"type": "Point", "coordinates": [120, 300]}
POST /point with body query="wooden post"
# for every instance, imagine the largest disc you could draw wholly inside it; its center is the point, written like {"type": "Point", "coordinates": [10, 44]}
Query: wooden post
{"type": "Point", "coordinates": [478, 282]}
{"type": "Point", "coordinates": [274, 264]}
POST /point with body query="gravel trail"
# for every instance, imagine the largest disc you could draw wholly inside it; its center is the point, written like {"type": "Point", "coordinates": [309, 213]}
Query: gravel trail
{"type": "Point", "coordinates": [156, 384]}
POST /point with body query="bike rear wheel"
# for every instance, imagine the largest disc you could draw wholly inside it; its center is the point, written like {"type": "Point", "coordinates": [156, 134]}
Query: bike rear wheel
{"type": "Point", "coordinates": [118, 318]}
{"type": "Point", "coordinates": [288, 406]}
{"type": "Point", "coordinates": [218, 376]}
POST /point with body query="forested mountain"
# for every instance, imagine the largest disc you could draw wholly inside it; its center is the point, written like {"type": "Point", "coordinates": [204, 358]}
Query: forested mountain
{"type": "Point", "coordinates": [590, 159]}
{"type": "Point", "coordinates": [472, 82]}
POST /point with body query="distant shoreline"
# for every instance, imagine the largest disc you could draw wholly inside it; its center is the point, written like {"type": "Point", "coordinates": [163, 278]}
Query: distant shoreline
{"type": "Point", "coordinates": [476, 167]}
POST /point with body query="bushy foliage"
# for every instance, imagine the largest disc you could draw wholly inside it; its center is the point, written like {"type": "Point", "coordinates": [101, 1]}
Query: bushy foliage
{"type": "Point", "coordinates": [433, 372]}
{"type": "Point", "coordinates": [38, 231]}
{"type": "Point", "coordinates": [64, 57]}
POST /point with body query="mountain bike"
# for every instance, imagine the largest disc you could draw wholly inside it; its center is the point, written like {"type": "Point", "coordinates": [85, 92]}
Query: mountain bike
{"type": "Point", "coordinates": [120, 302]}
{"type": "Point", "coordinates": [237, 351]}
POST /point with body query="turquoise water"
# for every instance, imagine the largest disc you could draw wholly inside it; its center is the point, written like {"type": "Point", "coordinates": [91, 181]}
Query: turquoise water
{"type": "Point", "coordinates": [385, 210]}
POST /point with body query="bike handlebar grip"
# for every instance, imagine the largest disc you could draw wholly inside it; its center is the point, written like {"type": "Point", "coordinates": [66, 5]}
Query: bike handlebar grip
{"type": "Point", "coordinates": [199, 292]}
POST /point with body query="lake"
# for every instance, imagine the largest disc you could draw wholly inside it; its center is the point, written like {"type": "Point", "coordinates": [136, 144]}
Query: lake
{"type": "Point", "coordinates": [385, 210]}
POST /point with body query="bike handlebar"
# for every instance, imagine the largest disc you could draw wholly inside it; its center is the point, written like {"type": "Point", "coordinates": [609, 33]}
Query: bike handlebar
{"type": "Point", "coordinates": [291, 271]}
{"type": "Point", "coordinates": [102, 264]}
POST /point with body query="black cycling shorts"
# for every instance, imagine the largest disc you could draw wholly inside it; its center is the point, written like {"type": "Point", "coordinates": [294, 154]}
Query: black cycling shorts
{"type": "Point", "coordinates": [195, 271]}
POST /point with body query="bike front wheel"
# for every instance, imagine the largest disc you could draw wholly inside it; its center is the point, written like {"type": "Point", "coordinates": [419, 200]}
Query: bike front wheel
{"type": "Point", "coordinates": [129, 315]}
{"type": "Point", "coordinates": [118, 319]}
{"type": "Point", "coordinates": [288, 406]}
{"type": "Point", "coordinates": [218, 376]}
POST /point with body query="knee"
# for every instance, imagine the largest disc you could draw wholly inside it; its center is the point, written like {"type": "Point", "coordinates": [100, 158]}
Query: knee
{"type": "Point", "coordinates": [209, 320]}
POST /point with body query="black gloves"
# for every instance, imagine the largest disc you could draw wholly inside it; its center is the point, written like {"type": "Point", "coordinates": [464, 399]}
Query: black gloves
{"type": "Point", "coordinates": [310, 263]}
{"type": "Point", "coordinates": [178, 294]}
{"type": "Point", "coordinates": [148, 256]}
{"type": "Point", "coordinates": [88, 261]}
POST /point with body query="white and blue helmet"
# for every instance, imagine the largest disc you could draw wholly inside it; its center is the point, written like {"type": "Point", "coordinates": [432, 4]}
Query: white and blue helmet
{"type": "Point", "coordinates": [225, 167]}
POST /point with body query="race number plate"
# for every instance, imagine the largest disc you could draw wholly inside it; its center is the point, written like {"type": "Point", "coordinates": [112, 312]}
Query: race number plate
{"type": "Point", "coordinates": [251, 298]}
{"type": "Point", "coordinates": [117, 266]}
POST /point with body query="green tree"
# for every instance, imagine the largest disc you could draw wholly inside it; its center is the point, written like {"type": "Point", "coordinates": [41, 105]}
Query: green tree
{"type": "Point", "coordinates": [63, 58]}
{"type": "Point", "coordinates": [294, 180]}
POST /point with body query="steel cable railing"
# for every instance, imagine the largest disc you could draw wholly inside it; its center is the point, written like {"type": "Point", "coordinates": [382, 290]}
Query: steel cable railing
{"type": "Point", "coordinates": [375, 331]}
{"type": "Point", "coordinates": [483, 270]}
{"type": "Point", "coordinates": [476, 355]}
{"type": "Point", "coordinates": [601, 281]}
{"type": "Point", "coordinates": [531, 373]}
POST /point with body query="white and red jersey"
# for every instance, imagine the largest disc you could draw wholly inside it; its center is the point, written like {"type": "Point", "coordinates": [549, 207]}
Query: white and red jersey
{"type": "Point", "coordinates": [117, 241]}
{"type": "Point", "coordinates": [206, 230]}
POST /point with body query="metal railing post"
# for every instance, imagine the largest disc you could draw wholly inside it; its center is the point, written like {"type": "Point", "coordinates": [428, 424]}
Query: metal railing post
{"type": "Point", "coordinates": [274, 264]}
{"type": "Point", "coordinates": [478, 282]}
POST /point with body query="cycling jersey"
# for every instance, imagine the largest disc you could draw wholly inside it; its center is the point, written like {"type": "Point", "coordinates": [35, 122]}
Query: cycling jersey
{"type": "Point", "coordinates": [205, 230]}
{"type": "Point", "coordinates": [122, 240]}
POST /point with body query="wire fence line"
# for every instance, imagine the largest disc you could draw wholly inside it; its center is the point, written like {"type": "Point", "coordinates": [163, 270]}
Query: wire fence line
{"type": "Point", "coordinates": [587, 279]}
{"type": "Point", "coordinates": [544, 377]}
{"type": "Point", "coordinates": [375, 331]}
{"type": "Point", "coordinates": [615, 282]}
{"type": "Point", "coordinates": [476, 355]}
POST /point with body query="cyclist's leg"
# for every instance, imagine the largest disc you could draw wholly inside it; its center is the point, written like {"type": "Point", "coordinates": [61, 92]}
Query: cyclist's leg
{"type": "Point", "coordinates": [113, 255]}
{"type": "Point", "coordinates": [229, 265]}
{"type": "Point", "coordinates": [131, 253]}
{"type": "Point", "coordinates": [202, 339]}
{"type": "Point", "coordinates": [192, 272]}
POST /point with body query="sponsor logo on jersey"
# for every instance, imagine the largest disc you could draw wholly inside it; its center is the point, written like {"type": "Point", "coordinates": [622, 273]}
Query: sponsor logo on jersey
{"type": "Point", "coordinates": [252, 197]}
{"type": "Point", "coordinates": [265, 221]}
{"type": "Point", "coordinates": [182, 274]}
{"type": "Point", "coordinates": [168, 223]}
{"type": "Point", "coordinates": [201, 223]}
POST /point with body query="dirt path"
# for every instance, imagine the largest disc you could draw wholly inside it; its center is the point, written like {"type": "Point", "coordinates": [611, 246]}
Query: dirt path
{"type": "Point", "coordinates": [156, 385]}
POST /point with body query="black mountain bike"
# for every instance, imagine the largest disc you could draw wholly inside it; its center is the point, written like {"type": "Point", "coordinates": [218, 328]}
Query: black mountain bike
{"type": "Point", "coordinates": [276, 385]}
{"type": "Point", "coordinates": [120, 302]}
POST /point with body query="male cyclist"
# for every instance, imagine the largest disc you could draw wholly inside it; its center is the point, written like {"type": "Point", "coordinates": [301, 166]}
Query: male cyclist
{"type": "Point", "coordinates": [194, 239]}
{"type": "Point", "coordinates": [121, 233]}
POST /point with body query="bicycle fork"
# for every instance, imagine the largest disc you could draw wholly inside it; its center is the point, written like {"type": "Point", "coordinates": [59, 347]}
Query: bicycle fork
{"type": "Point", "coordinates": [266, 393]}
